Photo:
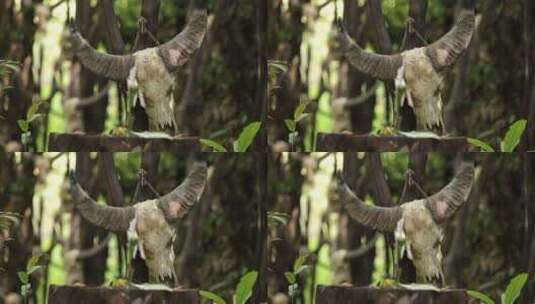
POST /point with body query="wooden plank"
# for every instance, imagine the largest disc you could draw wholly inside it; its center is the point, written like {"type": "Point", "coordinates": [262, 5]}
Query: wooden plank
{"type": "Point", "coordinates": [107, 143]}
{"type": "Point", "coordinates": [90, 295]}
{"type": "Point", "coordinates": [346, 142]}
{"type": "Point", "coordinates": [374, 295]}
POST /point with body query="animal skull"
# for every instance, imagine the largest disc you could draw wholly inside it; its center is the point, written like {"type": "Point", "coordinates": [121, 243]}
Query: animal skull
{"type": "Point", "coordinates": [418, 71]}
{"type": "Point", "coordinates": [150, 222]}
{"type": "Point", "coordinates": [418, 223]}
{"type": "Point", "coordinates": [150, 71]}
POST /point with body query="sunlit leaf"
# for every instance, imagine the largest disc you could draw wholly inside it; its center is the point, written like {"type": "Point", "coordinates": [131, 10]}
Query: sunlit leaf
{"type": "Point", "coordinates": [23, 277]}
{"type": "Point", "coordinates": [247, 136]}
{"type": "Point", "coordinates": [23, 125]}
{"type": "Point", "coordinates": [212, 297]}
{"type": "Point", "coordinates": [513, 136]}
{"type": "Point", "coordinates": [480, 296]}
{"type": "Point", "coordinates": [244, 290]}
{"type": "Point", "coordinates": [512, 292]}
{"type": "Point", "coordinates": [290, 277]}
{"type": "Point", "coordinates": [480, 144]}
{"type": "Point", "coordinates": [290, 124]}
{"type": "Point", "coordinates": [217, 147]}
{"type": "Point", "coordinates": [300, 261]}
{"type": "Point", "coordinates": [300, 109]}
{"type": "Point", "coordinates": [277, 218]}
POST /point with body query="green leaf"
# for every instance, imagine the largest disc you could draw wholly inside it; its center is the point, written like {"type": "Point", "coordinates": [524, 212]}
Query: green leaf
{"type": "Point", "coordinates": [212, 297]}
{"type": "Point", "coordinates": [302, 269]}
{"type": "Point", "coordinates": [23, 277]}
{"type": "Point", "coordinates": [480, 144]}
{"type": "Point", "coordinates": [244, 290]}
{"type": "Point", "coordinates": [512, 292]}
{"type": "Point", "coordinates": [32, 262]}
{"type": "Point", "coordinates": [32, 110]}
{"type": "Point", "coordinates": [25, 290]}
{"type": "Point", "coordinates": [513, 136]}
{"type": "Point", "coordinates": [279, 65]}
{"type": "Point", "coordinates": [290, 277]}
{"type": "Point", "coordinates": [277, 218]}
{"type": "Point", "coordinates": [300, 261]}
{"type": "Point", "coordinates": [217, 147]}
{"type": "Point", "coordinates": [290, 124]}
{"type": "Point", "coordinates": [302, 116]}
{"type": "Point", "coordinates": [480, 296]}
{"type": "Point", "coordinates": [303, 104]}
{"type": "Point", "coordinates": [247, 136]}
{"type": "Point", "coordinates": [23, 125]}
{"type": "Point", "coordinates": [34, 269]}
{"type": "Point", "coordinates": [34, 117]}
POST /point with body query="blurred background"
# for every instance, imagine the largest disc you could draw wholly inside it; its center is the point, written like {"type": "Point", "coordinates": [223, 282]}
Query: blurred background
{"type": "Point", "coordinates": [215, 244]}
{"type": "Point", "coordinates": [489, 89]}
{"type": "Point", "coordinates": [486, 243]}
{"type": "Point", "coordinates": [42, 90]}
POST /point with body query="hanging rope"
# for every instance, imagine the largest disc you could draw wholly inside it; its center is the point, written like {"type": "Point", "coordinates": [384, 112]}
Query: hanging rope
{"type": "Point", "coordinates": [410, 181]}
{"type": "Point", "coordinates": [410, 29]}
{"type": "Point", "coordinates": [142, 182]}
{"type": "Point", "coordinates": [143, 29]}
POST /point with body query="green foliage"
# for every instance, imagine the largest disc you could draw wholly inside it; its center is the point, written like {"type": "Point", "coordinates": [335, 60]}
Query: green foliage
{"type": "Point", "coordinates": [215, 146]}
{"type": "Point", "coordinates": [513, 135]}
{"type": "Point", "coordinates": [7, 66]}
{"type": "Point", "coordinates": [33, 116]}
{"type": "Point", "coordinates": [275, 69]}
{"type": "Point", "coordinates": [243, 292]}
{"type": "Point", "coordinates": [511, 294]}
{"type": "Point", "coordinates": [509, 142]}
{"type": "Point", "coordinates": [246, 138]}
{"type": "Point", "coordinates": [276, 219]}
{"type": "Point", "coordinates": [291, 124]}
{"type": "Point", "coordinates": [7, 219]}
{"type": "Point", "coordinates": [24, 276]}
{"type": "Point", "coordinates": [480, 144]}
{"type": "Point", "coordinates": [212, 297]}
{"type": "Point", "coordinates": [299, 268]}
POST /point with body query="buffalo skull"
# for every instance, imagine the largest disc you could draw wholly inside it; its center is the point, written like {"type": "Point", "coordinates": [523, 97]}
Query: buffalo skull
{"type": "Point", "coordinates": [151, 222]}
{"type": "Point", "coordinates": [418, 72]}
{"type": "Point", "coordinates": [418, 224]}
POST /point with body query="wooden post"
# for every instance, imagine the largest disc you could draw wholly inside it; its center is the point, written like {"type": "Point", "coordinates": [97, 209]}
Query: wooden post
{"type": "Point", "coordinates": [374, 295]}
{"type": "Point", "coordinates": [88, 295]}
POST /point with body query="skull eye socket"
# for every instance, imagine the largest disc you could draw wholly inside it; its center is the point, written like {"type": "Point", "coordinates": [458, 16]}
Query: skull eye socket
{"type": "Point", "coordinates": [437, 244]}
{"type": "Point", "coordinates": [169, 243]}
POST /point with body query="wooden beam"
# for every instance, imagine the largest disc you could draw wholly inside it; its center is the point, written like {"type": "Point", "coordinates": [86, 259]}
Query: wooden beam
{"type": "Point", "coordinates": [107, 143]}
{"type": "Point", "coordinates": [82, 295]}
{"type": "Point", "coordinates": [342, 142]}
{"type": "Point", "coordinates": [372, 295]}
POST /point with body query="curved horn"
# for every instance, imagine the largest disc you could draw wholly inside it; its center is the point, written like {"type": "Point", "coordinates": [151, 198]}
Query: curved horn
{"type": "Point", "coordinates": [109, 218]}
{"type": "Point", "coordinates": [179, 50]}
{"type": "Point", "coordinates": [448, 49]}
{"type": "Point", "coordinates": [446, 202]}
{"type": "Point", "coordinates": [378, 66]}
{"type": "Point", "coordinates": [378, 218]}
{"type": "Point", "coordinates": [177, 203]}
{"type": "Point", "coordinates": [116, 67]}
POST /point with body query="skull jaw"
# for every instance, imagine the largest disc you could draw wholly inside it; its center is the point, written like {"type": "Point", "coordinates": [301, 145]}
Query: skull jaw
{"type": "Point", "coordinates": [429, 269]}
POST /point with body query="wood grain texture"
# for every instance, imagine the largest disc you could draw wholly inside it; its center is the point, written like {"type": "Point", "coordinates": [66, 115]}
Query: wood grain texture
{"type": "Point", "coordinates": [342, 142]}
{"type": "Point", "coordinates": [374, 295]}
{"type": "Point", "coordinates": [89, 295]}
